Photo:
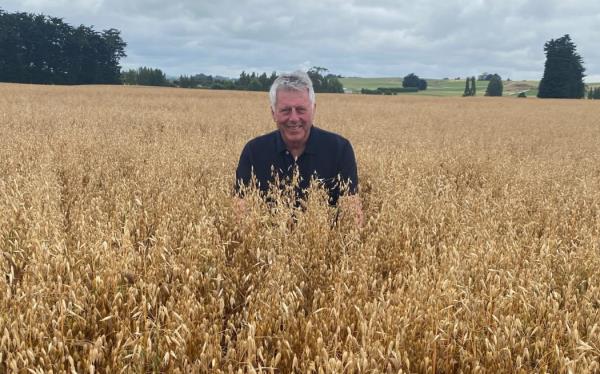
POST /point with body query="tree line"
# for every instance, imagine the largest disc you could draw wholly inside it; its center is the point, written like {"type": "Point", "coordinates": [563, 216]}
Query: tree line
{"type": "Point", "coordinates": [46, 50]}
{"type": "Point", "coordinates": [594, 93]}
{"type": "Point", "coordinates": [322, 80]}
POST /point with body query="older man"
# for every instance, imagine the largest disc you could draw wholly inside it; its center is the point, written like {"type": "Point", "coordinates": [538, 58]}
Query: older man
{"type": "Point", "coordinates": [297, 146]}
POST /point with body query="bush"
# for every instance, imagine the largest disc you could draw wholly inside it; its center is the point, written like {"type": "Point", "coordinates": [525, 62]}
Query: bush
{"type": "Point", "coordinates": [388, 90]}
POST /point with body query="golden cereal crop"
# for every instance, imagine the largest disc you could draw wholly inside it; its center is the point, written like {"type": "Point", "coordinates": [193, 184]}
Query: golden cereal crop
{"type": "Point", "coordinates": [120, 251]}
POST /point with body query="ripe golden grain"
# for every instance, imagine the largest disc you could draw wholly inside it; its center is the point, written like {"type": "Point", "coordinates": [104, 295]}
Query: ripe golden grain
{"type": "Point", "coordinates": [121, 253]}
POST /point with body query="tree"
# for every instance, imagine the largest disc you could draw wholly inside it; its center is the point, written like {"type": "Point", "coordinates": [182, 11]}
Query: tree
{"type": "Point", "coordinates": [467, 91]}
{"type": "Point", "coordinates": [411, 80]}
{"type": "Point", "coordinates": [563, 70]}
{"type": "Point", "coordinates": [264, 82]}
{"type": "Point", "coordinates": [487, 76]}
{"type": "Point", "coordinates": [470, 89]}
{"type": "Point", "coordinates": [324, 83]}
{"type": "Point", "coordinates": [254, 84]}
{"type": "Point", "coordinates": [495, 87]}
{"type": "Point", "coordinates": [42, 49]}
{"type": "Point", "coordinates": [145, 76]}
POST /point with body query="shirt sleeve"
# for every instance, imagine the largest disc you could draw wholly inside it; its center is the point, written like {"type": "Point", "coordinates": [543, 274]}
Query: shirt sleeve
{"type": "Point", "coordinates": [243, 172]}
{"type": "Point", "coordinates": [348, 169]}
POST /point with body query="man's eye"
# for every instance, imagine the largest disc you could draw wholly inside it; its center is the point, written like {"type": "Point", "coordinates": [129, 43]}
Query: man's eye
{"type": "Point", "coordinates": [287, 110]}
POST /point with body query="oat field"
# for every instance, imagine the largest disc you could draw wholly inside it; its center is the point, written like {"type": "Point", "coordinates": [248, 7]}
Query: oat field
{"type": "Point", "coordinates": [120, 251]}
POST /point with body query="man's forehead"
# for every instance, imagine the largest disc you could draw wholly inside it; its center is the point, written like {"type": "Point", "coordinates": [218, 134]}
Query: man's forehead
{"type": "Point", "coordinates": [292, 91]}
{"type": "Point", "coordinates": [293, 97]}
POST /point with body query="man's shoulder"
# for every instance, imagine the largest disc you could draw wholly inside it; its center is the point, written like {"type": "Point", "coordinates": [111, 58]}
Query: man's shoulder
{"type": "Point", "coordinates": [330, 137]}
{"type": "Point", "coordinates": [264, 140]}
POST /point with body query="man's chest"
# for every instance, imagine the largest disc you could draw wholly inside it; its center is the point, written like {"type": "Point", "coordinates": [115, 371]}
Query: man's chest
{"type": "Point", "coordinates": [307, 166]}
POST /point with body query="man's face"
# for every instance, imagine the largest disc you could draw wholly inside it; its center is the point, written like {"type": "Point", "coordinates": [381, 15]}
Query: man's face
{"type": "Point", "coordinates": [294, 115]}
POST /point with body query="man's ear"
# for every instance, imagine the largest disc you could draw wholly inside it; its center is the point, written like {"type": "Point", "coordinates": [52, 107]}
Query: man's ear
{"type": "Point", "coordinates": [273, 114]}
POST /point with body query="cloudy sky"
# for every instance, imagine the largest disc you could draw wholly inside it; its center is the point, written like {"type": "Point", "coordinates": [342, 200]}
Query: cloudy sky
{"type": "Point", "coordinates": [376, 38]}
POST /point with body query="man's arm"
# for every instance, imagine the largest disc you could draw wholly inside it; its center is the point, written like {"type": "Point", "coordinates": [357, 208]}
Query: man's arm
{"type": "Point", "coordinates": [348, 172]}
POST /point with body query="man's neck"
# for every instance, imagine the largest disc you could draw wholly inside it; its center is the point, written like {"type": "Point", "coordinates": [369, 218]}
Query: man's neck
{"type": "Point", "coordinates": [296, 152]}
{"type": "Point", "coordinates": [296, 149]}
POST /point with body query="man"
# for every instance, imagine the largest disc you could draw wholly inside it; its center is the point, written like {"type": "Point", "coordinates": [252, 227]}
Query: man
{"type": "Point", "coordinates": [297, 146]}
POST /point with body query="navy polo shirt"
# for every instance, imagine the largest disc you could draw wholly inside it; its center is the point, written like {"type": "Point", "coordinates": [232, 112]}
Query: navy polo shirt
{"type": "Point", "coordinates": [327, 157]}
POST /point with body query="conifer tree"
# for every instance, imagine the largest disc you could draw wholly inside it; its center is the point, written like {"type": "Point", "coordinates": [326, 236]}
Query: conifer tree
{"type": "Point", "coordinates": [467, 88]}
{"type": "Point", "coordinates": [563, 70]}
{"type": "Point", "coordinates": [495, 87]}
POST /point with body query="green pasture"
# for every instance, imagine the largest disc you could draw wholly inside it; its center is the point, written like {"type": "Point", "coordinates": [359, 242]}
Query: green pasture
{"type": "Point", "coordinates": [439, 87]}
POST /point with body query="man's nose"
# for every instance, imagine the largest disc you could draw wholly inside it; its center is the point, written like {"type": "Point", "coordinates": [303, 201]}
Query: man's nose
{"type": "Point", "coordinates": [294, 115]}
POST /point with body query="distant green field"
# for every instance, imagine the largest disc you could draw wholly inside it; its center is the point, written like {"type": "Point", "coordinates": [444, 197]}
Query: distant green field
{"type": "Point", "coordinates": [439, 87]}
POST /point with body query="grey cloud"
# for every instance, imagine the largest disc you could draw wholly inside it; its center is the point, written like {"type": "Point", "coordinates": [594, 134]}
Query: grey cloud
{"type": "Point", "coordinates": [369, 38]}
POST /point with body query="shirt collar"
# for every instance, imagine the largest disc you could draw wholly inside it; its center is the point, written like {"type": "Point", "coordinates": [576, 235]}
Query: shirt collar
{"type": "Point", "coordinates": [311, 143]}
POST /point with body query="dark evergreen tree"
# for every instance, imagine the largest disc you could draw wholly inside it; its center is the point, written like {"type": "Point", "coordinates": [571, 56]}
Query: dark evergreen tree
{"type": "Point", "coordinates": [264, 82]}
{"type": "Point", "coordinates": [243, 82]}
{"type": "Point", "coordinates": [494, 87]}
{"type": "Point", "coordinates": [467, 91]}
{"type": "Point", "coordinates": [470, 89]}
{"type": "Point", "coordinates": [563, 70]}
{"type": "Point", "coordinates": [42, 49]}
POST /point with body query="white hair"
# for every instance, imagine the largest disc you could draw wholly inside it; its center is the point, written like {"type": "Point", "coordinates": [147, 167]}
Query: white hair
{"type": "Point", "coordinates": [296, 81]}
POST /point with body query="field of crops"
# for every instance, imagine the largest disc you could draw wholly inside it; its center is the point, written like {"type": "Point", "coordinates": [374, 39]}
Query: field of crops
{"type": "Point", "coordinates": [120, 251]}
